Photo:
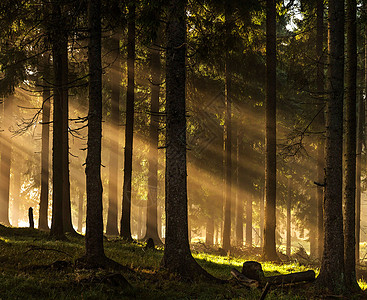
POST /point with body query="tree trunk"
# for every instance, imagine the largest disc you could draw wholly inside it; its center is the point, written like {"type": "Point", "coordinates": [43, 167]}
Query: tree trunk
{"type": "Point", "coordinates": [361, 137]}
{"type": "Point", "coordinates": [66, 205]}
{"type": "Point", "coordinates": [332, 274]}
{"type": "Point", "coordinates": [209, 234]}
{"type": "Point", "coordinates": [239, 195]}
{"type": "Point", "coordinates": [262, 217]}
{"type": "Point", "coordinates": [80, 210]}
{"type": "Point", "coordinates": [16, 194]}
{"type": "Point", "coordinates": [125, 227]}
{"type": "Point", "coordinates": [351, 141]}
{"type": "Point", "coordinates": [228, 137]}
{"type": "Point", "coordinates": [45, 153]}
{"type": "Point", "coordinates": [112, 216]}
{"type": "Point", "coordinates": [269, 251]}
{"type": "Point", "coordinates": [289, 218]}
{"type": "Point", "coordinates": [94, 220]}
{"type": "Point", "coordinates": [321, 121]}
{"type": "Point", "coordinates": [151, 220]}
{"type": "Point", "coordinates": [177, 257]}
{"type": "Point", "coordinates": [249, 220]}
{"type": "Point", "coordinates": [57, 36]}
{"type": "Point", "coordinates": [6, 153]}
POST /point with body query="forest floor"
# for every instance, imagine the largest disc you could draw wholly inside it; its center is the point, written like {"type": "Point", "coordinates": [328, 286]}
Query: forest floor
{"type": "Point", "coordinates": [28, 271]}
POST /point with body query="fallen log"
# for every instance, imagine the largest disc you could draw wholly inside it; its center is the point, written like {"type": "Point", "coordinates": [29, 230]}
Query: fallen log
{"type": "Point", "coordinates": [291, 278]}
{"type": "Point", "coordinates": [244, 280]}
{"type": "Point", "coordinates": [253, 270]}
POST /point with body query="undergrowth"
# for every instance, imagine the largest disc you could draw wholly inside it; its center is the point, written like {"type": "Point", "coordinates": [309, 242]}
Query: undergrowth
{"type": "Point", "coordinates": [28, 271]}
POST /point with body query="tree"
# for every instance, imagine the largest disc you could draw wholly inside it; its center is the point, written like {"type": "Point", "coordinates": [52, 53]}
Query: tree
{"type": "Point", "coordinates": [350, 149]}
{"type": "Point", "coordinates": [66, 205]}
{"type": "Point", "coordinates": [125, 227]}
{"type": "Point", "coordinates": [58, 37]}
{"type": "Point", "coordinates": [94, 251]}
{"type": "Point", "coordinates": [321, 145]}
{"type": "Point", "coordinates": [228, 136]}
{"type": "Point", "coordinates": [269, 250]}
{"type": "Point", "coordinates": [177, 257]}
{"type": "Point", "coordinates": [6, 154]}
{"type": "Point", "coordinates": [43, 211]}
{"type": "Point", "coordinates": [332, 274]}
{"type": "Point", "coordinates": [80, 209]}
{"type": "Point", "coordinates": [289, 218]}
{"type": "Point", "coordinates": [111, 227]}
{"type": "Point", "coordinates": [151, 219]}
{"type": "Point", "coordinates": [240, 194]}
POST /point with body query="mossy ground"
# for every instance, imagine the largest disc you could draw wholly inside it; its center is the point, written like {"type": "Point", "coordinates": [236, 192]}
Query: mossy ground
{"type": "Point", "coordinates": [26, 256]}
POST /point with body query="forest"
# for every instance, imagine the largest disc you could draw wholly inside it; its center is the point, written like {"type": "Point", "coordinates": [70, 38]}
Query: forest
{"type": "Point", "coordinates": [183, 149]}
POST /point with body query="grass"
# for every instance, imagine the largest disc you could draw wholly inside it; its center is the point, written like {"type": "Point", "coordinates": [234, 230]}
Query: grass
{"type": "Point", "coordinates": [26, 254]}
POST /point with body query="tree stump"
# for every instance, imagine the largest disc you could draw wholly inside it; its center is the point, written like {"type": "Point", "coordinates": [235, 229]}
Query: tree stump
{"type": "Point", "coordinates": [150, 244]}
{"type": "Point", "coordinates": [30, 217]}
{"type": "Point", "coordinates": [253, 270]}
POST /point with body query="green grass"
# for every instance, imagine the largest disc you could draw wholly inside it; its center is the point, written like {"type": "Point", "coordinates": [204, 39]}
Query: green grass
{"type": "Point", "coordinates": [25, 253]}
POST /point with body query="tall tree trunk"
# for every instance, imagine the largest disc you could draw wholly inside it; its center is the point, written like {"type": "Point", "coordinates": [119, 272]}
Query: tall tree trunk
{"type": "Point", "coordinates": [209, 233]}
{"type": "Point", "coordinates": [151, 220]}
{"type": "Point", "coordinates": [125, 230]}
{"type": "Point", "coordinates": [351, 141]}
{"type": "Point", "coordinates": [112, 216]}
{"type": "Point", "coordinates": [80, 210]}
{"type": "Point", "coordinates": [177, 257]}
{"type": "Point", "coordinates": [332, 274]}
{"type": "Point", "coordinates": [361, 137]}
{"type": "Point", "coordinates": [159, 221]}
{"type": "Point", "coordinates": [57, 229]}
{"type": "Point", "coordinates": [94, 220]}
{"type": "Point", "coordinates": [45, 153]}
{"type": "Point", "coordinates": [6, 151]}
{"type": "Point", "coordinates": [289, 218]}
{"type": "Point", "coordinates": [269, 251]}
{"type": "Point", "coordinates": [249, 199]}
{"type": "Point", "coordinates": [262, 217]}
{"type": "Point", "coordinates": [66, 205]}
{"type": "Point", "coordinates": [16, 193]}
{"type": "Point", "coordinates": [240, 194]}
{"type": "Point", "coordinates": [228, 137]}
{"type": "Point", "coordinates": [321, 145]}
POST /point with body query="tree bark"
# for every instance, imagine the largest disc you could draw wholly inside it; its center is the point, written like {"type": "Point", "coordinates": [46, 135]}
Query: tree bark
{"type": "Point", "coordinates": [16, 194]}
{"type": "Point", "coordinates": [269, 251]}
{"type": "Point", "coordinates": [94, 220]}
{"type": "Point", "coordinates": [332, 274]}
{"type": "Point", "coordinates": [228, 137]}
{"type": "Point", "coordinates": [177, 257]}
{"type": "Point", "coordinates": [262, 217]}
{"type": "Point", "coordinates": [240, 195]}
{"type": "Point", "coordinates": [80, 210]}
{"type": "Point", "coordinates": [57, 228]}
{"type": "Point", "coordinates": [361, 139]}
{"type": "Point", "coordinates": [249, 220]}
{"type": "Point", "coordinates": [321, 145]}
{"type": "Point", "coordinates": [66, 205]}
{"type": "Point", "coordinates": [45, 153]}
{"type": "Point", "coordinates": [350, 149]}
{"type": "Point", "coordinates": [6, 153]}
{"type": "Point", "coordinates": [289, 218]}
{"type": "Point", "coordinates": [151, 220]}
{"type": "Point", "coordinates": [112, 216]}
{"type": "Point", "coordinates": [125, 227]}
